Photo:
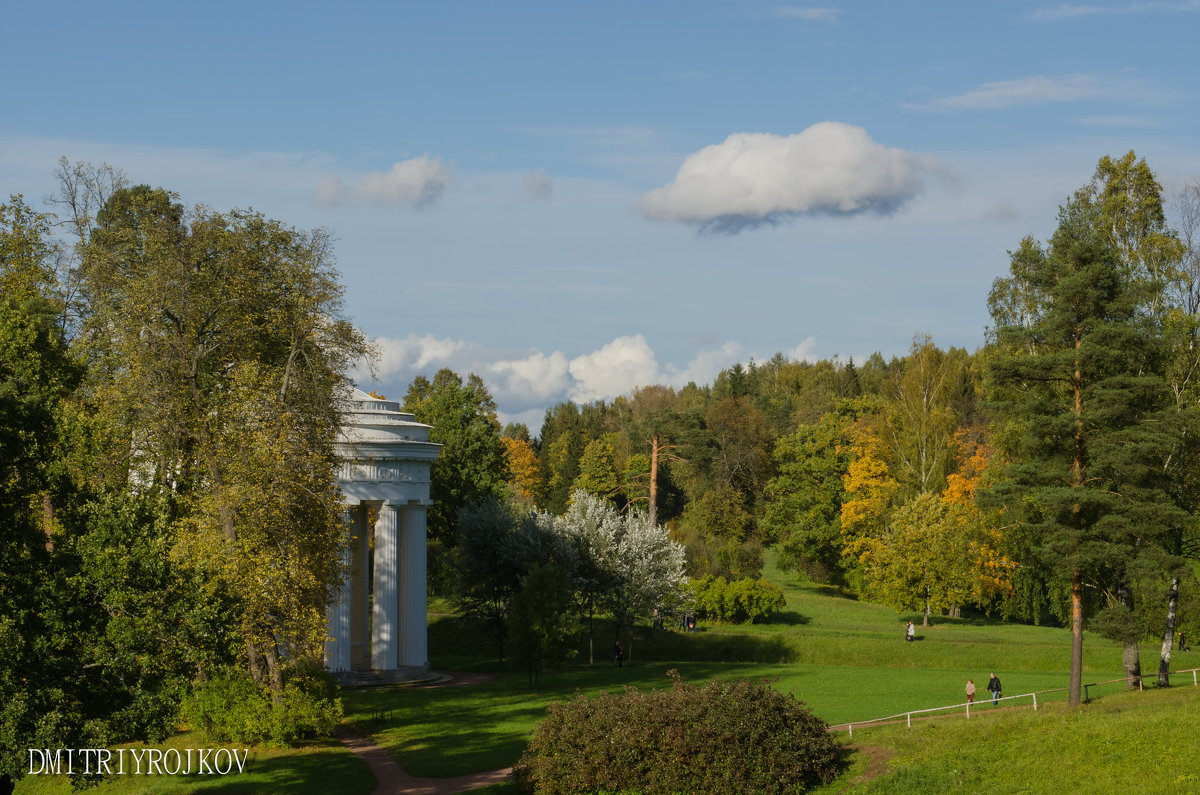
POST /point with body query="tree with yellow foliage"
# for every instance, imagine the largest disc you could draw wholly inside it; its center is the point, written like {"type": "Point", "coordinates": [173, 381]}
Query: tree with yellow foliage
{"type": "Point", "coordinates": [524, 470]}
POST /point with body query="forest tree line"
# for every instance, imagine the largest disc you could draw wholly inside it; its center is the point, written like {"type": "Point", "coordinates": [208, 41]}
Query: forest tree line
{"type": "Point", "coordinates": [1047, 476]}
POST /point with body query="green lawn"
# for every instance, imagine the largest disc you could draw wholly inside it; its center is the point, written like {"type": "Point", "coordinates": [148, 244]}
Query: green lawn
{"type": "Point", "coordinates": [317, 767]}
{"type": "Point", "coordinates": [846, 659]}
{"type": "Point", "coordinates": [1124, 742]}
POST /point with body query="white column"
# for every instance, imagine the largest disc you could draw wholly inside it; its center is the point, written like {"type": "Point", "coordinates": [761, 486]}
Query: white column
{"type": "Point", "coordinates": [414, 649]}
{"type": "Point", "coordinates": [383, 605]}
{"type": "Point", "coordinates": [360, 592]}
{"type": "Point", "coordinates": [337, 648]}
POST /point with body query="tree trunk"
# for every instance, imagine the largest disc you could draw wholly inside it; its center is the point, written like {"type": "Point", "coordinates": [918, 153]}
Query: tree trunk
{"type": "Point", "coordinates": [1129, 654]}
{"type": "Point", "coordinates": [925, 620]}
{"type": "Point", "coordinates": [7, 785]}
{"type": "Point", "coordinates": [1076, 684]}
{"type": "Point", "coordinates": [1164, 658]}
{"type": "Point", "coordinates": [255, 661]}
{"type": "Point", "coordinates": [652, 506]}
{"type": "Point", "coordinates": [276, 673]}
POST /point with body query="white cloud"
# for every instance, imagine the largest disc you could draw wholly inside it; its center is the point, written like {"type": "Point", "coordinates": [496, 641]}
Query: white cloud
{"type": "Point", "coordinates": [1041, 90]}
{"type": "Point", "coordinates": [617, 368]}
{"type": "Point", "coordinates": [751, 179]}
{"type": "Point", "coordinates": [1069, 11]}
{"type": "Point", "coordinates": [414, 354]}
{"type": "Point", "coordinates": [532, 380]}
{"type": "Point", "coordinates": [417, 182]}
{"type": "Point", "coordinates": [808, 14]}
{"type": "Point", "coordinates": [536, 376]}
{"type": "Point", "coordinates": [806, 351]}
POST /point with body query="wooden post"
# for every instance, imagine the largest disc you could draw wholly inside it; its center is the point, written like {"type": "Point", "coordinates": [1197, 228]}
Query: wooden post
{"type": "Point", "coordinates": [1035, 702]}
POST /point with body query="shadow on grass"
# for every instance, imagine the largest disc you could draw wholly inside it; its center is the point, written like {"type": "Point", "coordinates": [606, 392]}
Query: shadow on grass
{"type": "Point", "coordinates": [449, 731]}
{"type": "Point", "coordinates": [789, 617]}
{"type": "Point", "coordinates": [290, 772]}
{"type": "Point", "coordinates": [716, 648]}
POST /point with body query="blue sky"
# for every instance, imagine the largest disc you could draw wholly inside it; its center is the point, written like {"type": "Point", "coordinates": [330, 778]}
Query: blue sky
{"type": "Point", "coordinates": [573, 199]}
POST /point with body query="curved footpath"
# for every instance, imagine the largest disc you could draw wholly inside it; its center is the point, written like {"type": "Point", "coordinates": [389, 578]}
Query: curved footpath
{"type": "Point", "coordinates": [391, 779]}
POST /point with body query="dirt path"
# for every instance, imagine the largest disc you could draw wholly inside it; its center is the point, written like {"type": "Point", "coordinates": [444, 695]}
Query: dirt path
{"type": "Point", "coordinates": [876, 764]}
{"type": "Point", "coordinates": [391, 779]}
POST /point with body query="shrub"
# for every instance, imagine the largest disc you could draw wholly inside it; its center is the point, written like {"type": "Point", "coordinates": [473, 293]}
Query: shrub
{"type": "Point", "coordinates": [738, 602]}
{"type": "Point", "coordinates": [733, 736]}
{"type": "Point", "coordinates": [230, 707]}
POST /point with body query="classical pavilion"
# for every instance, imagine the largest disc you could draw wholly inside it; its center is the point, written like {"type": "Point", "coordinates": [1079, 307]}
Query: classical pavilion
{"type": "Point", "coordinates": [377, 624]}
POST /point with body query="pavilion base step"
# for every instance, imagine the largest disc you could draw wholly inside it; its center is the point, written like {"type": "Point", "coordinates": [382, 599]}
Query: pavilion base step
{"type": "Point", "coordinates": [409, 675]}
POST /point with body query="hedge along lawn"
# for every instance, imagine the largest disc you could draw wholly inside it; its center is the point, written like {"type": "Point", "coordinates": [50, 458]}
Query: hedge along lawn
{"type": "Point", "coordinates": [846, 659]}
{"type": "Point", "coordinates": [323, 766]}
{"type": "Point", "coordinates": [1123, 742]}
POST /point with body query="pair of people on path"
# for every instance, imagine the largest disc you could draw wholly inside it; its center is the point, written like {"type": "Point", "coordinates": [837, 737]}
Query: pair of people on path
{"type": "Point", "coordinates": [993, 687]}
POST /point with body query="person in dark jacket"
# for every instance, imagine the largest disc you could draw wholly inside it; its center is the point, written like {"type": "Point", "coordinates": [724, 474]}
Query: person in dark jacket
{"type": "Point", "coordinates": [994, 688]}
{"type": "Point", "coordinates": [618, 655]}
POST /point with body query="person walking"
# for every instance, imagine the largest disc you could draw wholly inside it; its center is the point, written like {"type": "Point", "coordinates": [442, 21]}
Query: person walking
{"type": "Point", "coordinates": [994, 688]}
{"type": "Point", "coordinates": [910, 632]}
{"type": "Point", "coordinates": [970, 691]}
{"type": "Point", "coordinates": [618, 655]}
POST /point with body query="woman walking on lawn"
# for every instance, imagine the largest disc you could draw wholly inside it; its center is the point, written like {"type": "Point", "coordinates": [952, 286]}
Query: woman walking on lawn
{"type": "Point", "coordinates": [970, 691]}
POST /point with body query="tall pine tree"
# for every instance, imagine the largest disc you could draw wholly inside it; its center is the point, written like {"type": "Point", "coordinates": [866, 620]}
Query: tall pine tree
{"type": "Point", "coordinates": [1077, 381]}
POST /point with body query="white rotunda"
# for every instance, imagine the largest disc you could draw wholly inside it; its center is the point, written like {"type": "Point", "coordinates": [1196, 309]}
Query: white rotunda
{"type": "Point", "coordinates": [377, 625]}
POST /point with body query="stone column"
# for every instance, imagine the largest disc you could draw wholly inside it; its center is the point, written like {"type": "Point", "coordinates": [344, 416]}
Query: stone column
{"type": "Point", "coordinates": [360, 592]}
{"type": "Point", "coordinates": [414, 650]}
{"type": "Point", "coordinates": [383, 606]}
{"type": "Point", "coordinates": [337, 648]}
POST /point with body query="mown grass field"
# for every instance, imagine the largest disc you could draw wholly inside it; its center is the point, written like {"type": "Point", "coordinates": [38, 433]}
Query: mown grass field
{"type": "Point", "coordinates": [1124, 742]}
{"type": "Point", "coordinates": [846, 659]}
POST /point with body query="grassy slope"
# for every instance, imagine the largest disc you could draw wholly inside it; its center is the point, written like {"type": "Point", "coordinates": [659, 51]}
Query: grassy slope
{"type": "Point", "coordinates": [846, 659]}
{"type": "Point", "coordinates": [1124, 742]}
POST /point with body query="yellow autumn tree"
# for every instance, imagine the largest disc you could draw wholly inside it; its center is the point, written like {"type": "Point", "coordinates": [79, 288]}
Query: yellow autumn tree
{"type": "Point", "coordinates": [933, 552]}
{"type": "Point", "coordinates": [524, 471]}
{"type": "Point", "coordinates": [870, 491]}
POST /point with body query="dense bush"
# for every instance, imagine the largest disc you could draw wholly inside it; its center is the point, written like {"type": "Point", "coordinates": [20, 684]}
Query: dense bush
{"type": "Point", "coordinates": [737, 602]}
{"type": "Point", "coordinates": [230, 707]}
{"type": "Point", "coordinates": [733, 736]}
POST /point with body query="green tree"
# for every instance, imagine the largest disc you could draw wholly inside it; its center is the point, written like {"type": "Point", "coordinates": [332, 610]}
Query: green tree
{"type": "Point", "coordinates": [40, 702]}
{"type": "Point", "coordinates": [542, 619]}
{"type": "Point", "coordinates": [929, 400]}
{"type": "Point", "coordinates": [1077, 380]}
{"type": "Point", "coordinates": [804, 499]}
{"type": "Point", "coordinates": [599, 472]}
{"type": "Point", "coordinates": [217, 363]}
{"type": "Point", "coordinates": [472, 466]}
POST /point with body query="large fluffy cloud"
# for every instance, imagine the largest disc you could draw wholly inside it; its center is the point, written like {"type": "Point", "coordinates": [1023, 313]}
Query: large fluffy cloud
{"type": "Point", "coordinates": [752, 179]}
{"type": "Point", "coordinates": [418, 182]}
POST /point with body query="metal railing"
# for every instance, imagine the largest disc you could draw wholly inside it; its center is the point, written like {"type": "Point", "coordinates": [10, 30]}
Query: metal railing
{"type": "Point", "coordinates": [967, 705]}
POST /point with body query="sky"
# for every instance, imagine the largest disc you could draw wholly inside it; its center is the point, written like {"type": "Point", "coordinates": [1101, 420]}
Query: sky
{"type": "Point", "coordinates": [576, 199]}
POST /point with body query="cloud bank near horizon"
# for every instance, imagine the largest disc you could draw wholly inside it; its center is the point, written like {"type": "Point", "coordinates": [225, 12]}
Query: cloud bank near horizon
{"type": "Point", "coordinates": [755, 179]}
{"type": "Point", "coordinates": [525, 383]}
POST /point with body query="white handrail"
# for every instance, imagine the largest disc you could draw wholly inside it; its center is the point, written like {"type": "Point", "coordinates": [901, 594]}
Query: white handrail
{"type": "Point", "coordinates": [849, 726]}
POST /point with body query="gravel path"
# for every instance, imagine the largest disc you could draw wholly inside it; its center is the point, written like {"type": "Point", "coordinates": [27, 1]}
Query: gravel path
{"type": "Point", "coordinates": [391, 779]}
